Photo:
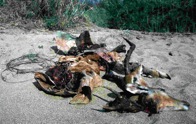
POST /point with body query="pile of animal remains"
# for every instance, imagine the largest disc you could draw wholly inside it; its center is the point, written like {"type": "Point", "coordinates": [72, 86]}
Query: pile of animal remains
{"type": "Point", "coordinates": [77, 73]}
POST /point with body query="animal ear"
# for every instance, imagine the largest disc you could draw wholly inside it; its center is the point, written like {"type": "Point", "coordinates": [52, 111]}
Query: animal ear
{"type": "Point", "coordinates": [139, 70]}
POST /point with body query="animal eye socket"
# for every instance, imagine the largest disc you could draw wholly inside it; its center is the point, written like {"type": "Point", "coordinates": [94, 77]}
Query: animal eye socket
{"type": "Point", "coordinates": [134, 79]}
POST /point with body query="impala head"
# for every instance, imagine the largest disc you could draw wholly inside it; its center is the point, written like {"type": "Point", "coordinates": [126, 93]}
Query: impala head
{"type": "Point", "coordinates": [135, 76]}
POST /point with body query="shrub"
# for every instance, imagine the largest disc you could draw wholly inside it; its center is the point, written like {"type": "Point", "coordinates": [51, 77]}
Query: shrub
{"type": "Point", "coordinates": [58, 14]}
{"type": "Point", "coordinates": [2, 2]}
{"type": "Point", "coordinates": [146, 15]}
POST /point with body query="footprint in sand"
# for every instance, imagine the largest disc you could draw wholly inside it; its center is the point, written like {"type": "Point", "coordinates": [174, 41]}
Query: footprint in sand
{"type": "Point", "coordinates": [182, 77]}
{"type": "Point", "coordinates": [139, 53]}
{"type": "Point", "coordinates": [176, 69]}
{"type": "Point", "coordinates": [2, 51]}
{"type": "Point", "coordinates": [193, 40]}
{"type": "Point", "coordinates": [190, 56]}
{"type": "Point", "coordinates": [191, 92]}
{"type": "Point", "coordinates": [192, 65]}
{"type": "Point", "coordinates": [181, 56]}
{"type": "Point", "coordinates": [162, 58]}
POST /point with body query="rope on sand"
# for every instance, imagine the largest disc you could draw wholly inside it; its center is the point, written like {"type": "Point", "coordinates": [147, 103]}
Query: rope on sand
{"type": "Point", "coordinates": [25, 64]}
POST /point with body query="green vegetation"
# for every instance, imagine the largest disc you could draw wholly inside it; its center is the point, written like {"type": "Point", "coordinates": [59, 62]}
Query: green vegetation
{"type": "Point", "coordinates": [146, 15]}
{"type": "Point", "coordinates": [142, 15]}
{"type": "Point", "coordinates": [2, 2]}
{"type": "Point", "coordinates": [57, 14]}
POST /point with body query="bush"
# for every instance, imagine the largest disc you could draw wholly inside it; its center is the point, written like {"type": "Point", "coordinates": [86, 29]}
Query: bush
{"type": "Point", "coordinates": [58, 14]}
{"type": "Point", "coordinates": [2, 2]}
{"type": "Point", "coordinates": [142, 15]}
{"type": "Point", "coordinates": [146, 15]}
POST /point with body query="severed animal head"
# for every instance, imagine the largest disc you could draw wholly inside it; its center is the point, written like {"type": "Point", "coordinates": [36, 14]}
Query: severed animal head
{"type": "Point", "coordinates": [126, 102]}
{"type": "Point", "coordinates": [166, 102]}
{"type": "Point", "coordinates": [152, 103]}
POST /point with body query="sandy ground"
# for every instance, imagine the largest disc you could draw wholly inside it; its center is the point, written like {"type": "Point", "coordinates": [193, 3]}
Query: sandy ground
{"type": "Point", "coordinates": [24, 103]}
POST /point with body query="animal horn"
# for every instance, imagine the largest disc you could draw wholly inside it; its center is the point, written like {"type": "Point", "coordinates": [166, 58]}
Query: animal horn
{"type": "Point", "coordinates": [128, 55]}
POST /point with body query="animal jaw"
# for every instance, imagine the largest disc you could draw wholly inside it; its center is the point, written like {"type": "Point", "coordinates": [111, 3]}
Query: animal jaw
{"type": "Point", "coordinates": [165, 102]}
{"type": "Point", "coordinates": [150, 103]}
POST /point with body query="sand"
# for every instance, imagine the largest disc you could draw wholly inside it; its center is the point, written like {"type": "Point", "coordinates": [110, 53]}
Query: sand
{"type": "Point", "coordinates": [22, 102]}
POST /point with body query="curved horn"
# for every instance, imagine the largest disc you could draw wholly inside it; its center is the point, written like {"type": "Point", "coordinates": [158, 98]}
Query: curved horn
{"type": "Point", "coordinates": [128, 56]}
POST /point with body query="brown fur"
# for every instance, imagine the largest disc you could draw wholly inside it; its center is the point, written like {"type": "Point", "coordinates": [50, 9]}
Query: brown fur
{"type": "Point", "coordinates": [87, 66]}
{"type": "Point", "coordinates": [91, 81]}
{"type": "Point", "coordinates": [66, 58]}
{"type": "Point", "coordinates": [159, 97]}
{"type": "Point", "coordinates": [115, 56]}
{"type": "Point", "coordinates": [79, 99]}
{"type": "Point", "coordinates": [137, 73]}
{"type": "Point", "coordinates": [163, 100]}
{"type": "Point", "coordinates": [39, 75]}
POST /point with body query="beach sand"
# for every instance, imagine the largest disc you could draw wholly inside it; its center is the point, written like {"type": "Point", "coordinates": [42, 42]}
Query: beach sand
{"type": "Point", "coordinates": [22, 102]}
